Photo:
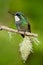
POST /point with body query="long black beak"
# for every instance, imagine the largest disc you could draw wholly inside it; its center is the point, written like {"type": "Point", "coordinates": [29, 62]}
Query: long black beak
{"type": "Point", "coordinates": [12, 13]}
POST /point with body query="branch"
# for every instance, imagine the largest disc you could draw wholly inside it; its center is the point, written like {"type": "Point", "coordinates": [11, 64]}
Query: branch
{"type": "Point", "coordinates": [16, 31]}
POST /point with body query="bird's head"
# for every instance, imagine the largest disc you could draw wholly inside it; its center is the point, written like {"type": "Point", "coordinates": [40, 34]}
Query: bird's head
{"type": "Point", "coordinates": [17, 15]}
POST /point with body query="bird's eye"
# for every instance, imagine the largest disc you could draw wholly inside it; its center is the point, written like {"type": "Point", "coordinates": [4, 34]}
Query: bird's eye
{"type": "Point", "coordinates": [17, 14]}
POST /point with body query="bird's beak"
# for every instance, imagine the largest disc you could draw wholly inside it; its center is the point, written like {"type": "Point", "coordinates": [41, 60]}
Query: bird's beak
{"type": "Point", "coordinates": [12, 13]}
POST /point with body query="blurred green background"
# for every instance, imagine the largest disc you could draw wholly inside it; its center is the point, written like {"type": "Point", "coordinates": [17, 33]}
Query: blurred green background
{"type": "Point", "coordinates": [9, 49]}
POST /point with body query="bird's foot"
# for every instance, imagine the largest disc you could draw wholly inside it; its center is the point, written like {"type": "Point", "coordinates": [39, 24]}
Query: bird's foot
{"type": "Point", "coordinates": [24, 33]}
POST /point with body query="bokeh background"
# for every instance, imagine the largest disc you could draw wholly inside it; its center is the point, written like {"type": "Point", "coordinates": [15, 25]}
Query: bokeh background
{"type": "Point", "coordinates": [9, 48]}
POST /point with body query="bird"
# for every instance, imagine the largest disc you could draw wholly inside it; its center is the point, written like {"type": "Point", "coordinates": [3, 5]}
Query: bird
{"type": "Point", "coordinates": [21, 22]}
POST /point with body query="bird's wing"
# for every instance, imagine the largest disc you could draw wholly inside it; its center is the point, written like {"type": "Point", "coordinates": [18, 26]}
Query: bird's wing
{"type": "Point", "coordinates": [29, 28]}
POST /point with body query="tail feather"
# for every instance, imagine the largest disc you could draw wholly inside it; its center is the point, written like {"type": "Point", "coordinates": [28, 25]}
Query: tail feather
{"type": "Point", "coordinates": [22, 35]}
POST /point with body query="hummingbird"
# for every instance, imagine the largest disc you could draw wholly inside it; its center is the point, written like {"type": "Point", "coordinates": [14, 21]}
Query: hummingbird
{"type": "Point", "coordinates": [21, 22]}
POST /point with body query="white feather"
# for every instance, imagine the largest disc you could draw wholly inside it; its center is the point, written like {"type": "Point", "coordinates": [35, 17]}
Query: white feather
{"type": "Point", "coordinates": [17, 18]}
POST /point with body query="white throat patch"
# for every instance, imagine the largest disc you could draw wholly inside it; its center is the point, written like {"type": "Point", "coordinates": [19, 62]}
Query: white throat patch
{"type": "Point", "coordinates": [17, 18]}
